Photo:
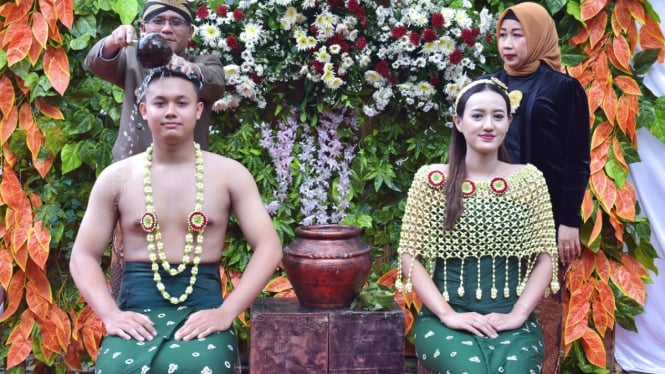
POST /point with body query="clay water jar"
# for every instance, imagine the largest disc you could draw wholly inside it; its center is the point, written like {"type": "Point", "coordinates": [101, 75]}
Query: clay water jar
{"type": "Point", "coordinates": [152, 51]}
{"type": "Point", "coordinates": [327, 265]}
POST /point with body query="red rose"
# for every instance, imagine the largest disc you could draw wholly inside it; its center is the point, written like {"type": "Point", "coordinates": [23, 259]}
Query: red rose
{"type": "Point", "coordinates": [353, 6]}
{"type": "Point", "coordinates": [488, 36]}
{"type": "Point", "coordinates": [468, 37]}
{"type": "Point", "coordinates": [414, 38]}
{"type": "Point", "coordinates": [429, 35]}
{"type": "Point", "coordinates": [232, 43]}
{"type": "Point", "coordinates": [222, 10]}
{"type": "Point", "coordinates": [361, 43]}
{"type": "Point", "coordinates": [238, 15]}
{"type": "Point", "coordinates": [202, 12]}
{"type": "Point", "coordinates": [382, 68]}
{"type": "Point", "coordinates": [434, 80]}
{"type": "Point", "coordinates": [456, 56]}
{"type": "Point", "coordinates": [437, 20]}
{"type": "Point", "coordinates": [398, 31]}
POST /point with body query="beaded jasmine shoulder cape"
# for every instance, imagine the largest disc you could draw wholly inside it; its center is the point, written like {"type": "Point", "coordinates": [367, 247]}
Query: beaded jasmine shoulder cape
{"type": "Point", "coordinates": [502, 218]}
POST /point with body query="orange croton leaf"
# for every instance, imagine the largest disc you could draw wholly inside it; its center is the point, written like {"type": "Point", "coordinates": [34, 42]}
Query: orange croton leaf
{"type": "Point", "coordinates": [6, 267]}
{"type": "Point", "coordinates": [594, 348]}
{"type": "Point", "coordinates": [8, 124]}
{"type": "Point", "coordinates": [590, 8]}
{"type": "Point", "coordinates": [601, 71]}
{"type": "Point", "coordinates": [6, 97]}
{"type": "Point", "coordinates": [599, 158]}
{"type": "Point", "coordinates": [577, 316]}
{"type": "Point", "coordinates": [580, 37]}
{"type": "Point", "coordinates": [626, 116]}
{"type": "Point", "coordinates": [279, 284]}
{"type": "Point", "coordinates": [34, 53]}
{"type": "Point", "coordinates": [625, 203]}
{"type": "Point", "coordinates": [605, 190]}
{"type": "Point", "coordinates": [610, 104]}
{"type": "Point", "coordinates": [56, 68]}
{"type": "Point", "coordinates": [628, 282]}
{"type": "Point", "coordinates": [588, 206]}
{"type": "Point", "coordinates": [595, 94]}
{"type": "Point", "coordinates": [40, 29]}
{"type": "Point", "coordinates": [636, 10]}
{"type": "Point", "coordinates": [38, 244]}
{"type": "Point", "coordinates": [621, 51]}
{"type": "Point", "coordinates": [92, 331]}
{"type": "Point", "coordinates": [49, 10]}
{"type": "Point", "coordinates": [618, 228]}
{"type": "Point", "coordinates": [632, 33]}
{"type": "Point", "coordinates": [627, 85]}
{"type": "Point", "coordinates": [47, 109]}
{"type": "Point", "coordinates": [11, 190]}
{"type": "Point", "coordinates": [14, 11]}
{"type": "Point", "coordinates": [22, 224]}
{"type": "Point", "coordinates": [614, 60]}
{"type": "Point", "coordinates": [622, 14]}
{"type": "Point", "coordinates": [25, 119]}
{"type": "Point", "coordinates": [19, 36]}
{"type": "Point", "coordinates": [66, 12]}
{"type": "Point", "coordinates": [596, 27]}
{"type": "Point", "coordinates": [388, 279]}
{"type": "Point", "coordinates": [598, 315]}
{"type": "Point", "coordinates": [20, 340]}
{"type": "Point", "coordinates": [38, 282]}
{"type": "Point", "coordinates": [605, 300]}
{"type": "Point", "coordinates": [63, 326]}
{"type": "Point", "coordinates": [597, 227]}
{"type": "Point", "coordinates": [14, 294]}
{"type": "Point", "coordinates": [49, 342]}
{"type": "Point", "coordinates": [10, 157]}
{"type": "Point", "coordinates": [601, 265]}
{"type": "Point", "coordinates": [631, 263]}
{"type": "Point", "coordinates": [615, 23]}
{"type": "Point", "coordinates": [71, 357]}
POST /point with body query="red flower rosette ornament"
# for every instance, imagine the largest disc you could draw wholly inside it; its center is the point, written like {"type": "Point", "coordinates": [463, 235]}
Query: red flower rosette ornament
{"type": "Point", "coordinates": [499, 185]}
{"type": "Point", "coordinates": [148, 221]}
{"type": "Point", "coordinates": [468, 188]}
{"type": "Point", "coordinates": [436, 178]}
{"type": "Point", "coordinates": [197, 221]}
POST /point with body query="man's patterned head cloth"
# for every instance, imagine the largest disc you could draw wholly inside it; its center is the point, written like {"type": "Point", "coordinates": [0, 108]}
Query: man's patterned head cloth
{"type": "Point", "coordinates": [153, 8]}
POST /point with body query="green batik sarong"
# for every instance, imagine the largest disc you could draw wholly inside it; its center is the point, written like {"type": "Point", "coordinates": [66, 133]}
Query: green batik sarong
{"type": "Point", "coordinates": [216, 353]}
{"type": "Point", "coordinates": [444, 350]}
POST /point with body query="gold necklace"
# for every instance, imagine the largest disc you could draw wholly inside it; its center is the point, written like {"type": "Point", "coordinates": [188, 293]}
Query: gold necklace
{"type": "Point", "coordinates": [196, 223]}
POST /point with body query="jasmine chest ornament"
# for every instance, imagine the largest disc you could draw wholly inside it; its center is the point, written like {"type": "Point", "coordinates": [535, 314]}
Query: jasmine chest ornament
{"type": "Point", "coordinates": [196, 223]}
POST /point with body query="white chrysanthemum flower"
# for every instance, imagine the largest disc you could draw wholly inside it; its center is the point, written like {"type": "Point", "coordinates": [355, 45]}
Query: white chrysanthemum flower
{"type": "Point", "coordinates": [416, 18]}
{"type": "Point", "coordinates": [335, 49]}
{"type": "Point", "coordinates": [333, 83]}
{"type": "Point", "coordinates": [226, 103]}
{"type": "Point", "coordinates": [374, 79]}
{"type": "Point", "coordinates": [382, 97]}
{"type": "Point", "coordinates": [306, 4]}
{"type": "Point", "coordinates": [290, 17]}
{"type": "Point", "coordinates": [486, 21]}
{"type": "Point", "coordinates": [424, 89]}
{"type": "Point", "coordinates": [231, 71]}
{"type": "Point", "coordinates": [322, 55]}
{"type": "Point", "coordinates": [364, 60]}
{"type": "Point", "coordinates": [463, 19]}
{"type": "Point", "coordinates": [283, 2]}
{"type": "Point", "coordinates": [252, 33]}
{"type": "Point", "coordinates": [448, 15]}
{"type": "Point", "coordinates": [209, 33]}
{"type": "Point", "coordinates": [325, 19]}
{"type": "Point", "coordinates": [446, 45]}
{"type": "Point", "coordinates": [246, 88]}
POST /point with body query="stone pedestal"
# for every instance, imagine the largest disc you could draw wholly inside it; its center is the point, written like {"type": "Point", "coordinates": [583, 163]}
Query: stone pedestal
{"type": "Point", "coordinates": [286, 338]}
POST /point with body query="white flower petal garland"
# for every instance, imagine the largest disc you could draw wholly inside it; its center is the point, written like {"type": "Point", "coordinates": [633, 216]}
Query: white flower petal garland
{"type": "Point", "coordinates": [196, 222]}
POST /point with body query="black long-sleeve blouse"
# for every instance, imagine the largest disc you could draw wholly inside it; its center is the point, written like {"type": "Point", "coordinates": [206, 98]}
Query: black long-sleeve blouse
{"type": "Point", "coordinates": [551, 130]}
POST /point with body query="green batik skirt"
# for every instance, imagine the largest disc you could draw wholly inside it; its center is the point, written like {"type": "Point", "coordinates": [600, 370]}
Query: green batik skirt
{"type": "Point", "coordinates": [216, 353]}
{"type": "Point", "coordinates": [444, 350]}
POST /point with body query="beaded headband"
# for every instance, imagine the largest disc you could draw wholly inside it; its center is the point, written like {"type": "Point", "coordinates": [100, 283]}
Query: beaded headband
{"type": "Point", "coordinates": [514, 96]}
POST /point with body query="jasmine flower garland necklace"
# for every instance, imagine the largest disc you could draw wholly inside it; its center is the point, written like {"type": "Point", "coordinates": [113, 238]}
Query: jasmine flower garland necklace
{"type": "Point", "coordinates": [196, 222]}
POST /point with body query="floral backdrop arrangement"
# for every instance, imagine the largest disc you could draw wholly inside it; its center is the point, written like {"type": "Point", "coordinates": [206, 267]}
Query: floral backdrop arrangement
{"type": "Point", "coordinates": [406, 52]}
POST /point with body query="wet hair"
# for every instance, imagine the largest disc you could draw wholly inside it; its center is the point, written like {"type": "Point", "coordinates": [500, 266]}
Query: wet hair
{"type": "Point", "coordinates": [457, 150]}
{"type": "Point", "coordinates": [164, 72]}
